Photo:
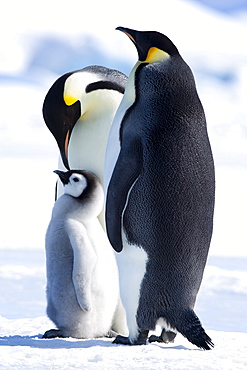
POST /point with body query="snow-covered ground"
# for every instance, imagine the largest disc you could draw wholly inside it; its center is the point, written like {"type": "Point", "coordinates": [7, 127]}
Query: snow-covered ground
{"type": "Point", "coordinates": [42, 40]}
{"type": "Point", "coordinates": [221, 306]}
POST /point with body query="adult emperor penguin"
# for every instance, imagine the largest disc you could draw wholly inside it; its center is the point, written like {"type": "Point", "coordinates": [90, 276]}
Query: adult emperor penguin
{"type": "Point", "coordinates": [160, 196]}
{"type": "Point", "coordinates": [78, 109]}
{"type": "Point", "coordinates": [82, 275]}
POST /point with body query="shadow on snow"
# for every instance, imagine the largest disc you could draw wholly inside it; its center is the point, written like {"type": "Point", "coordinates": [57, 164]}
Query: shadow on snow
{"type": "Point", "coordinates": [36, 341]}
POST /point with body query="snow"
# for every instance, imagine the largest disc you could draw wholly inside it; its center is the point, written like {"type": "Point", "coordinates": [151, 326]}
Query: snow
{"type": "Point", "coordinates": [42, 40]}
{"type": "Point", "coordinates": [221, 306]}
{"type": "Point", "coordinates": [35, 353]}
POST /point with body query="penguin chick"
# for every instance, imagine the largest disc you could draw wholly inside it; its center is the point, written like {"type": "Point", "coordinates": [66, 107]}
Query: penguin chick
{"type": "Point", "coordinates": [82, 276]}
{"type": "Point", "coordinates": [78, 110]}
{"type": "Point", "coordinates": [160, 193]}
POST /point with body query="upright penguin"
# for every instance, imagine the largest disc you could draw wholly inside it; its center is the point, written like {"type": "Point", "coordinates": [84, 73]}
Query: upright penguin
{"type": "Point", "coordinates": [82, 277]}
{"type": "Point", "coordinates": [78, 110]}
{"type": "Point", "coordinates": [160, 193]}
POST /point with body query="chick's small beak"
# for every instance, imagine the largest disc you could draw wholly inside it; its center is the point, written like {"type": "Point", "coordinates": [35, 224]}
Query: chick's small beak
{"type": "Point", "coordinates": [62, 175]}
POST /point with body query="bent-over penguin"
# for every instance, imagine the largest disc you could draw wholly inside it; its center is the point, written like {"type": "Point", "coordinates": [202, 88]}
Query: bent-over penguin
{"type": "Point", "coordinates": [78, 110]}
{"type": "Point", "coordinates": [82, 277]}
{"type": "Point", "coordinates": [160, 193]}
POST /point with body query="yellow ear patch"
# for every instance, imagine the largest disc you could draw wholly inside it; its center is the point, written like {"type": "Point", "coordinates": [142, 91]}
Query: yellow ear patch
{"type": "Point", "coordinates": [69, 100]}
{"type": "Point", "coordinates": [156, 55]}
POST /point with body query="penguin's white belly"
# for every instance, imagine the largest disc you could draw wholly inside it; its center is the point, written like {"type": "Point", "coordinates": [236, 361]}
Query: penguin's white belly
{"type": "Point", "coordinates": [87, 147]}
{"type": "Point", "coordinates": [132, 267]}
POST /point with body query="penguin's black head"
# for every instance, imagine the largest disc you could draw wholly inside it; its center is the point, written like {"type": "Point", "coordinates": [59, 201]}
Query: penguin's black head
{"type": "Point", "coordinates": [80, 93]}
{"type": "Point", "coordinates": [78, 183]}
{"type": "Point", "coordinates": [151, 45]}
{"type": "Point", "coordinates": [60, 117]}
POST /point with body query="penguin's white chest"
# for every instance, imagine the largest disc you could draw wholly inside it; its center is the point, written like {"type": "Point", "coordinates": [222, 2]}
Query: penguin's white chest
{"type": "Point", "coordinates": [87, 146]}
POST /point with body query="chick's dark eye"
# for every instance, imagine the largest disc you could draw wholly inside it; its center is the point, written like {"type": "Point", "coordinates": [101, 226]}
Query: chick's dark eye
{"type": "Point", "coordinates": [76, 179]}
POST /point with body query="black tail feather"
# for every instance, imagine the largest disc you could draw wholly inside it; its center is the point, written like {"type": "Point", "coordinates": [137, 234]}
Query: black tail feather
{"type": "Point", "coordinates": [188, 324]}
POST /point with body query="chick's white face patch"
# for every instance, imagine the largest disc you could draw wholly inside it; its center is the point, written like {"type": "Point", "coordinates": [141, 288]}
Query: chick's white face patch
{"type": "Point", "coordinates": [76, 185]}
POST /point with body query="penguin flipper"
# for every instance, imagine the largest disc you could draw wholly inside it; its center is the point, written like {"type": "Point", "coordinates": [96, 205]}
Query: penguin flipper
{"type": "Point", "coordinates": [83, 263]}
{"type": "Point", "coordinates": [125, 173]}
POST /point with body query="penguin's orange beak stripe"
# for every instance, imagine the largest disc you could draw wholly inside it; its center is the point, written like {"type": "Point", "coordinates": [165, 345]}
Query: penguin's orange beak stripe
{"type": "Point", "coordinates": [130, 36]}
{"type": "Point", "coordinates": [66, 144]}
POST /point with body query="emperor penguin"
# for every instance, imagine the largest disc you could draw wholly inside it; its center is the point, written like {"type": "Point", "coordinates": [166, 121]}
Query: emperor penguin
{"type": "Point", "coordinates": [78, 110]}
{"type": "Point", "coordinates": [83, 298]}
{"type": "Point", "coordinates": [160, 193]}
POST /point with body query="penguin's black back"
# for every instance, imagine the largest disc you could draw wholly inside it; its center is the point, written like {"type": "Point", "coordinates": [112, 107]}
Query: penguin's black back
{"type": "Point", "coordinates": [176, 182]}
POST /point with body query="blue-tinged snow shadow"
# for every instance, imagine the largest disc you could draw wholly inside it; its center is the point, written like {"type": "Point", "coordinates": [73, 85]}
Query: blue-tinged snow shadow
{"type": "Point", "coordinates": [167, 346]}
{"type": "Point", "coordinates": [36, 341]}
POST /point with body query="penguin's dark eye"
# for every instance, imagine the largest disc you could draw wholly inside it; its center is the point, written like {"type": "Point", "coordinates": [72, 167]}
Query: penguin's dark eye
{"type": "Point", "coordinates": [75, 179]}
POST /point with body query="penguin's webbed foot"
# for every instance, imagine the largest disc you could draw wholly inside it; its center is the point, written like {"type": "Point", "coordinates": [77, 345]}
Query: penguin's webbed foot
{"type": "Point", "coordinates": [165, 337]}
{"type": "Point", "coordinates": [120, 339]}
{"type": "Point", "coordinates": [53, 333]}
{"type": "Point", "coordinates": [141, 339]}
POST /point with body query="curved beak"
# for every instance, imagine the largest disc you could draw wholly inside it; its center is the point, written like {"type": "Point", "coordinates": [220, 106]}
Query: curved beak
{"type": "Point", "coordinates": [130, 33]}
{"type": "Point", "coordinates": [60, 119]}
{"type": "Point", "coordinates": [140, 40]}
{"type": "Point", "coordinates": [63, 176]}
